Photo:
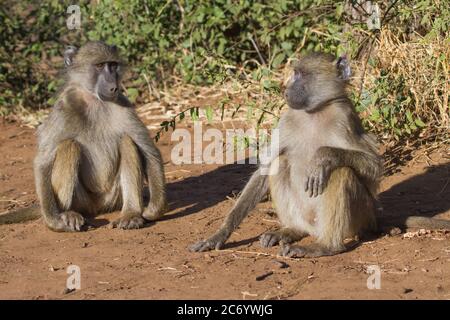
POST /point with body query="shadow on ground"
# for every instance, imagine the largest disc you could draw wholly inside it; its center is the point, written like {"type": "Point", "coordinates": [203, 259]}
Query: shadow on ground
{"type": "Point", "coordinates": [426, 194]}
{"type": "Point", "coordinates": [204, 191]}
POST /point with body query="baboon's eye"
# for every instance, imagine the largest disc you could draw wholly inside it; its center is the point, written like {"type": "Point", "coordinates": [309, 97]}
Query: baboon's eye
{"type": "Point", "coordinates": [113, 65]}
{"type": "Point", "coordinates": [100, 66]}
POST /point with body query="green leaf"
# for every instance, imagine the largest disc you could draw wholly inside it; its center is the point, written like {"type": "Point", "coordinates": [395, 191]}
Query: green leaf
{"type": "Point", "coordinates": [339, 9]}
{"type": "Point", "coordinates": [420, 123]}
{"type": "Point", "coordinates": [409, 116]}
{"type": "Point", "coordinates": [407, 129]}
{"type": "Point", "coordinates": [267, 84]}
{"type": "Point", "coordinates": [194, 113]}
{"type": "Point", "coordinates": [132, 94]}
{"type": "Point", "coordinates": [209, 114]}
{"type": "Point", "coordinates": [278, 60]}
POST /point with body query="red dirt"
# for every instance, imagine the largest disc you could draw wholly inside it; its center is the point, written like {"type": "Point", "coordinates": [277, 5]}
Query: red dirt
{"type": "Point", "coordinates": [154, 263]}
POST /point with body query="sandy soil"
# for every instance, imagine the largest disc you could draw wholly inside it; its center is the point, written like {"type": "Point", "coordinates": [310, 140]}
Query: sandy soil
{"type": "Point", "coordinates": [154, 263]}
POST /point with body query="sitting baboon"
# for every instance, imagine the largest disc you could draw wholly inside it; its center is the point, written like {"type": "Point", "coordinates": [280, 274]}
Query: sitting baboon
{"type": "Point", "coordinates": [94, 153]}
{"type": "Point", "coordinates": [324, 180]}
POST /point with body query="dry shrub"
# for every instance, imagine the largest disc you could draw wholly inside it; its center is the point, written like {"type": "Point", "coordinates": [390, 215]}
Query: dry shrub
{"type": "Point", "coordinates": [404, 90]}
{"type": "Point", "coordinates": [423, 66]}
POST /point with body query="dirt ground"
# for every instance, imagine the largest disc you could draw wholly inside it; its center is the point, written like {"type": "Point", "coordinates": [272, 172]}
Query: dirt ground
{"type": "Point", "coordinates": [154, 263]}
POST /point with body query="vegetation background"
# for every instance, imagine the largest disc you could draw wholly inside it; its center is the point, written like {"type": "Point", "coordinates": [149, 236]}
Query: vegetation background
{"type": "Point", "coordinates": [234, 54]}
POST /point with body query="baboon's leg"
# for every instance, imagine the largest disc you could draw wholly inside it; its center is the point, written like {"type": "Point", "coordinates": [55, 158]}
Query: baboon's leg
{"type": "Point", "coordinates": [65, 173]}
{"type": "Point", "coordinates": [154, 172]}
{"type": "Point", "coordinates": [64, 181]}
{"type": "Point", "coordinates": [346, 209]}
{"type": "Point", "coordinates": [282, 235]}
{"type": "Point", "coordinates": [131, 185]}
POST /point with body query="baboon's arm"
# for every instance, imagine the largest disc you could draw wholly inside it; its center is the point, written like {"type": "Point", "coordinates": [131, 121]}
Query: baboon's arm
{"type": "Point", "coordinates": [366, 165]}
{"type": "Point", "coordinates": [56, 172]}
{"type": "Point", "coordinates": [42, 175]}
{"type": "Point", "coordinates": [154, 171]}
{"type": "Point", "coordinates": [252, 194]}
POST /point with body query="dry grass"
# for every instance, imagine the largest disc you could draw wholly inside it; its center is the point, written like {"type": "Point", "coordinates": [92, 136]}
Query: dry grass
{"type": "Point", "coordinates": [424, 66]}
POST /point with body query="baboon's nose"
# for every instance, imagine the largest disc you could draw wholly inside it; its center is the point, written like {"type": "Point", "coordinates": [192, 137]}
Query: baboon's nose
{"type": "Point", "coordinates": [113, 89]}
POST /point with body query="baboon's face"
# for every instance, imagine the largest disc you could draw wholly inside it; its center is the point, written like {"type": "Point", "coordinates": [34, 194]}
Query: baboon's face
{"type": "Point", "coordinates": [296, 94]}
{"type": "Point", "coordinates": [106, 77]}
{"type": "Point", "coordinates": [97, 67]}
{"type": "Point", "coordinates": [315, 79]}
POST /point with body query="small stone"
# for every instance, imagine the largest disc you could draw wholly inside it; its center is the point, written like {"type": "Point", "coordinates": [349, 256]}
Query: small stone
{"type": "Point", "coordinates": [53, 269]}
{"type": "Point", "coordinates": [67, 291]}
{"type": "Point", "coordinates": [395, 231]}
{"type": "Point", "coordinates": [281, 264]}
{"type": "Point", "coordinates": [407, 290]}
{"type": "Point", "coordinates": [264, 276]}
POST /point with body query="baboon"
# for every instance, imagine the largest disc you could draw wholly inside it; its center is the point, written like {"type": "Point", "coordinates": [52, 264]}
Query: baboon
{"type": "Point", "coordinates": [94, 153]}
{"type": "Point", "coordinates": [323, 182]}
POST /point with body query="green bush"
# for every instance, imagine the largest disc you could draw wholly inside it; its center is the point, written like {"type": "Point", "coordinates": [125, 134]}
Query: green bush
{"type": "Point", "coordinates": [196, 42]}
{"type": "Point", "coordinates": [187, 39]}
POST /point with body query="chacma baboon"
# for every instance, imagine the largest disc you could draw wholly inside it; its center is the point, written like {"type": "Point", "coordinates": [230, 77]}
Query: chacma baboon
{"type": "Point", "coordinates": [324, 180]}
{"type": "Point", "coordinates": [94, 153]}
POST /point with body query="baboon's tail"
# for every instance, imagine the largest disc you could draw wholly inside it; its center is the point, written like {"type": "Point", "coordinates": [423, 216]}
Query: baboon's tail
{"type": "Point", "coordinates": [20, 215]}
{"type": "Point", "coordinates": [414, 222]}
{"type": "Point", "coordinates": [427, 223]}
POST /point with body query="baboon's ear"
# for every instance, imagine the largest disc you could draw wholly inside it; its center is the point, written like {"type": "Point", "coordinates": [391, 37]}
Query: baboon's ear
{"type": "Point", "coordinates": [69, 53]}
{"type": "Point", "coordinates": [343, 67]}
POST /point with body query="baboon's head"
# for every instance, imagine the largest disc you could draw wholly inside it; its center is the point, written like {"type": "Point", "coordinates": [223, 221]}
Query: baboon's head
{"type": "Point", "coordinates": [97, 67]}
{"type": "Point", "coordinates": [315, 79]}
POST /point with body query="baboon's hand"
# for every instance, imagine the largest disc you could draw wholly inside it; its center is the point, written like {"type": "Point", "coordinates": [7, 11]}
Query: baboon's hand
{"type": "Point", "coordinates": [68, 221]}
{"type": "Point", "coordinates": [214, 242]}
{"type": "Point", "coordinates": [132, 221]}
{"type": "Point", "coordinates": [317, 177]}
